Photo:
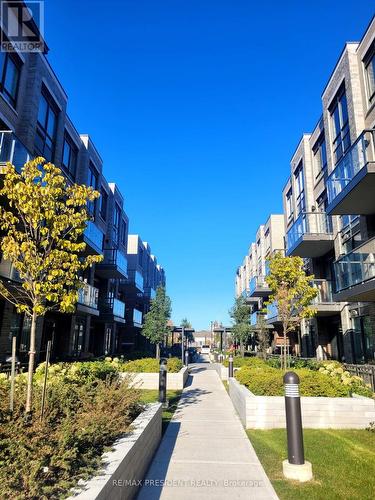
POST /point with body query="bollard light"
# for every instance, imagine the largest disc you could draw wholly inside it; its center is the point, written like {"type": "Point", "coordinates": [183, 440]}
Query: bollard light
{"type": "Point", "coordinates": [295, 467]}
{"type": "Point", "coordinates": [230, 368]}
{"type": "Point", "coordinates": [186, 358]}
{"type": "Point", "coordinates": [163, 382]}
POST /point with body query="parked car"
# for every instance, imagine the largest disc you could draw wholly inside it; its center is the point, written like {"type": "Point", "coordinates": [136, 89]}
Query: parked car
{"type": "Point", "coordinates": [205, 349]}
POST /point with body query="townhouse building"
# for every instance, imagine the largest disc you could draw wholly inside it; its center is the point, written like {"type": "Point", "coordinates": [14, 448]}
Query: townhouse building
{"type": "Point", "coordinates": [34, 122]}
{"type": "Point", "coordinates": [250, 277]}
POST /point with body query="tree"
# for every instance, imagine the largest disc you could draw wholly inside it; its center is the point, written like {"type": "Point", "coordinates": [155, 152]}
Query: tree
{"type": "Point", "coordinates": [240, 314]}
{"type": "Point", "coordinates": [263, 335]}
{"type": "Point", "coordinates": [43, 219]}
{"type": "Point", "coordinates": [185, 323]}
{"type": "Point", "coordinates": [292, 292]}
{"type": "Point", "coordinates": [155, 327]}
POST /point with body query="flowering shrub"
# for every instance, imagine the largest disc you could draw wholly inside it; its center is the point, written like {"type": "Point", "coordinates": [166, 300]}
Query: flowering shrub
{"type": "Point", "coordinates": [353, 382]}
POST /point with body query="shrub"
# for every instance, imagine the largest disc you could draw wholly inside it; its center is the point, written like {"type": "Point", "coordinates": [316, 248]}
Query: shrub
{"type": "Point", "coordinates": [238, 362]}
{"type": "Point", "coordinates": [45, 459]}
{"type": "Point", "coordinates": [150, 365]}
{"type": "Point", "coordinates": [79, 372]}
{"type": "Point", "coordinates": [356, 385]}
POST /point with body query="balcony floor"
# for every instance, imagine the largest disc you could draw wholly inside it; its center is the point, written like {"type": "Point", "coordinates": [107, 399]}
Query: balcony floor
{"type": "Point", "coordinates": [358, 196]}
{"type": "Point", "coordinates": [328, 308]}
{"type": "Point", "coordinates": [312, 245]}
{"type": "Point", "coordinates": [108, 271]}
{"type": "Point", "coordinates": [81, 308]}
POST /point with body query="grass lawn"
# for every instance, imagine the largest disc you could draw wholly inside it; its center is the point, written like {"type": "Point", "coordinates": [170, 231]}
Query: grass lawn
{"type": "Point", "coordinates": [343, 463]}
{"type": "Point", "coordinates": [151, 396]}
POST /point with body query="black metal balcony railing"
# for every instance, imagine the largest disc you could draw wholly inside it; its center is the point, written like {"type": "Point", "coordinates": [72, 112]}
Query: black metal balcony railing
{"type": "Point", "coordinates": [308, 223]}
{"type": "Point", "coordinates": [112, 306]}
{"type": "Point", "coordinates": [88, 296]}
{"type": "Point", "coordinates": [355, 158]}
{"type": "Point", "coordinates": [356, 267]}
{"type": "Point", "coordinates": [12, 150]}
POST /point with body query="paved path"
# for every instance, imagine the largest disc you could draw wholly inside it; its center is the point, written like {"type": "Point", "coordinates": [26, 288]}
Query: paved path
{"type": "Point", "coordinates": [205, 453]}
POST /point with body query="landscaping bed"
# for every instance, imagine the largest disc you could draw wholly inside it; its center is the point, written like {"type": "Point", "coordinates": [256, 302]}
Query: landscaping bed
{"type": "Point", "coordinates": [343, 463]}
{"type": "Point", "coordinates": [88, 408]}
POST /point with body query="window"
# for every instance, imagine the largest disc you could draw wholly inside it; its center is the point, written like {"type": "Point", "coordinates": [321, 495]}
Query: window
{"type": "Point", "coordinates": [9, 77]}
{"type": "Point", "coordinates": [369, 63]}
{"type": "Point", "coordinates": [289, 204]}
{"type": "Point", "coordinates": [46, 127]}
{"type": "Point", "coordinates": [140, 257]}
{"type": "Point", "coordinates": [320, 155]}
{"type": "Point", "coordinates": [70, 153]}
{"type": "Point", "coordinates": [299, 188]}
{"type": "Point", "coordinates": [103, 203]}
{"type": "Point", "coordinates": [116, 223]}
{"type": "Point", "coordinates": [340, 125]}
{"type": "Point", "coordinates": [92, 180]}
{"type": "Point", "coordinates": [123, 232]}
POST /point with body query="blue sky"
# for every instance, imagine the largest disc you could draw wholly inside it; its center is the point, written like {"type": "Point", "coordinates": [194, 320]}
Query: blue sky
{"type": "Point", "coordinates": [196, 107]}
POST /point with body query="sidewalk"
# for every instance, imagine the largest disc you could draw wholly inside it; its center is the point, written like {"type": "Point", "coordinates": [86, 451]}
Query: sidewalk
{"type": "Point", "coordinates": [205, 453]}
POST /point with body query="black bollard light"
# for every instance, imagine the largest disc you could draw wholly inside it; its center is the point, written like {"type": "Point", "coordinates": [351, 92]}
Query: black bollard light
{"type": "Point", "coordinates": [230, 368]}
{"type": "Point", "coordinates": [163, 381]}
{"type": "Point", "coordinates": [186, 357]}
{"type": "Point", "coordinates": [295, 467]}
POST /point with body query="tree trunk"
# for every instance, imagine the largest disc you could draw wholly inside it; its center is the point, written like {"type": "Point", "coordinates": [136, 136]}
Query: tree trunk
{"type": "Point", "coordinates": [158, 351]}
{"type": "Point", "coordinates": [29, 396]}
{"type": "Point", "coordinates": [285, 344]}
{"type": "Point", "coordinates": [242, 348]}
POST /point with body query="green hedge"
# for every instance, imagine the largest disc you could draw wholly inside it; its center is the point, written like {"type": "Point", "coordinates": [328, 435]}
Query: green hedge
{"type": "Point", "coordinates": [268, 381]}
{"type": "Point", "coordinates": [239, 361]}
{"type": "Point", "coordinates": [150, 365]}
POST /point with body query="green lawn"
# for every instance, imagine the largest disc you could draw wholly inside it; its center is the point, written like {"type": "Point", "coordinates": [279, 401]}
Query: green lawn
{"type": "Point", "coordinates": [343, 463]}
{"type": "Point", "coordinates": [150, 396]}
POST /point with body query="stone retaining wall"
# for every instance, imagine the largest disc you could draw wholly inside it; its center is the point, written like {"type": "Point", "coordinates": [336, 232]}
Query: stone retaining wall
{"type": "Point", "coordinates": [175, 381]}
{"type": "Point", "coordinates": [127, 463]}
{"type": "Point", "coordinates": [268, 412]}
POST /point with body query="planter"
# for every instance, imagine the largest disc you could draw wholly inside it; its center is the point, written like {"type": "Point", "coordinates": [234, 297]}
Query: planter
{"type": "Point", "coordinates": [175, 381]}
{"type": "Point", "coordinates": [127, 463]}
{"type": "Point", "coordinates": [223, 371]}
{"type": "Point", "coordinates": [268, 412]}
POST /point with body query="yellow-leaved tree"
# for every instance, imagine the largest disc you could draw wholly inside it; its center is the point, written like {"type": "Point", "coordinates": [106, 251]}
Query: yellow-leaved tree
{"type": "Point", "coordinates": [42, 219]}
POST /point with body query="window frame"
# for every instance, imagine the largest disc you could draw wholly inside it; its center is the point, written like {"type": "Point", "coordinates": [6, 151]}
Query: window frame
{"type": "Point", "coordinates": [10, 99]}
{"type": "Point", "coordinates": [92, 173]}
{"type": "Point", "coordinates": [42, 129]}
{"type": "Point", "coordinates": [339, 137]}
{"type": "Point", "coordinates": [103, 215]}
{"type": "Point", "coordinates": [317, 152]}
{"type": "Point", "coordinates": [73, 148]}
{"type": "Point", "coordinates": [368, 60]}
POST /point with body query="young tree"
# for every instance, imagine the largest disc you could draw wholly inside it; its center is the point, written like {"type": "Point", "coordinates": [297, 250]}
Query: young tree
{"type": "Point", "coordinates": [263, 336]}
{"type": "Point", "coordinates": [43, 219]}
{"type": "Point", "coordinates": [240, 314]}
{"type": "Point", "coordinates": [292, 292]}
{"type": "Point", "coordinates": [156, 320]}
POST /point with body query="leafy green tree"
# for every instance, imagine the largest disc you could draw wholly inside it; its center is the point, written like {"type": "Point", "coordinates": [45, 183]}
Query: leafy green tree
{"type": "Point", "coordinates": [155, 327]}
{"type": "Point", "coordinates": [240, 314]}
{"type": "Point", "coordinates": [263, 335]}
{"type": "Point", "coordinates": [292, 292]}
{"type": "Point", "coordinates": [43, 219]}
{"type": "Point", "coordinates": [185, 323]}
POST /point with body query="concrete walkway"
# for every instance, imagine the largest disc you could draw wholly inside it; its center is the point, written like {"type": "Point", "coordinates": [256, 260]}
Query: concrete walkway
{"type": "Point", "coordinates": [205, 453]}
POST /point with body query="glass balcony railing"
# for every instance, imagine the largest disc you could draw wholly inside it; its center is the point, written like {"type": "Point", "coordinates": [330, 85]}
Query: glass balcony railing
{"type": "Point", "coordinates": [356, 267]}
{"type": "Point", "coordinates": [254, 317]}
{"type": "Point", "coordinates": [358, 155]}
{"type": "Point", "coordinates": [115, 257]}
{"type": "Point", "coordinates": [308, 223]}
{"type": "Point", "coordinates": [137, 316]}
{"type": "Point", "coordinates": [272, 311]}
{"type": "Point", "coordinates": [94, 235]}
{"type": "Point", "coordinates": [12, 150]}
{"type": "Point", "coordinates": [138, 280]}
{"type": "Point", "coordinates": [88, 296]}
{"type": "Point", "coordinates": [113, 306]}
{"type": "Point", "coordinates": [257, 282]}
{"type": "Point", "coordinates": [325, 294]}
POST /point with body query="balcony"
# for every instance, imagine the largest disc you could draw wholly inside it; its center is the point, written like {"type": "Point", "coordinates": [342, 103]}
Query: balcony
{"type": "Point", "coordinates": [324, 302]}
{"type": "Point", "coordinates": [112, 309]}
{"type": "Point", "coordinates": [150, 292]}
{"type": "Point", "coordinates": [250, 300]}
{"type": "Point", "coordinates": [351, 185]}
{"type": "Point", "coordinates": [355, 274]}
{"type": "Point", "coordinates": [88, 299]}
{"type": "Point", "coordinates": [255, 318]}
{"type": "Point", "coordinates": [310, 235]}
{"type": "Point", "coordinates": [93, 236]}
{"type": "Point", "coordinates": [114, 265]}
{"type": "Point", "coordinates": [258, 287]}
{"type": "Point", "coordinates": [12, 150]}
{"type": "Point", "coordinates": [137, 318]}
{"type": "Point", "coordinates": [272, 314]}
{"type": "Point", "coordinates": [134, 281]}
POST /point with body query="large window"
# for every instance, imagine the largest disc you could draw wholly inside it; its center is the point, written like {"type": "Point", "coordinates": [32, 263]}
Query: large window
{"type": "Point", "coordinates": [103, 203]}
{"type": "Point", "coordinates": [320, 156]}
{"type": "Point", "coordinates": [92, 180]}
{"type": "Point", "coordinates": [340, 125]}
{"type": "Point", "coordinates": [369, 62]}
{"type": "Point", "coordinates": [70, 156]}
{"type": "Point", "coordinates": [123, 232]}
{"type": "Point", "coordinates": [289, 204]}
{"type": "Point", "coordinates": [9, 76]}
{"type": "Point", "coordinates": [116, 223]}
{"type": "Point", "coordinates": [299, 188]}
{"type": "Point", "coordinates": [46, 127]}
